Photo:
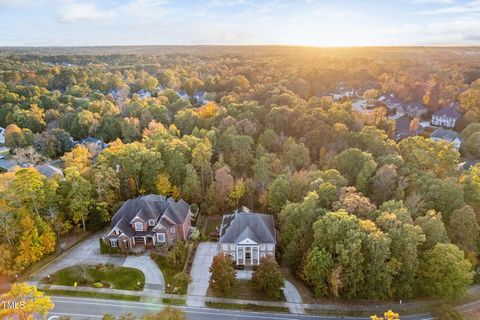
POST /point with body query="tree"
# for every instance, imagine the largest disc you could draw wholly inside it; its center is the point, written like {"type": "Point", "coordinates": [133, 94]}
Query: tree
{"type": "Point", "coordinates": [222, 278]}
{"type": "Point", "coordinates": [444, 272]}
{"type": "Point", "coordinates": [163, 185]}
{"type": "Point", "coordinates": [268, 278]}
{"type": "Point", "coordinates": [34, 302]}
{"type": "Point", "coordinates": [237, 193]}
{"type": "Point", "coordinates": [192, 189]}
{"type": "Point", "coordinates": [389, 315]}
{"type": "Point", "coordinates": [471, 145]}
{"type": "Point", "coordinates": [317, 270]}
{"type": "Point", "coordinates": [351, 162]}
{"type": "Point", "coordinates": [278, 193]}
{"type": "Point", "coordinates": [79, 158]}
{"type": "Point", "coordinates": [79, 195]}
{"type": "Point", "coordinates": [201, 156]}
{"type": "Point", "coordinates": [16, 137]}
{"type": "Point", "coordinates": [433, 228]}
{"type": "Point", "coordinates": [463, 229]}
{"type": "Point", "coordinates": [385, 184]}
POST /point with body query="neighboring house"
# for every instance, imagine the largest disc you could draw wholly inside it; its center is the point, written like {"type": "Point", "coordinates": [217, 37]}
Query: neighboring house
{"type": "Point", "coordinates": [391, 101]}
{"type": "Point", "coordinates": [149, 220]}
{"type": "Point", "coordinates": [143, 94]}
{"type": "Point", "coordinates": [200, 97]}
{"type": "Point", "coordinates": [49, 171]}
{"type": "Point", "coordinates": [446, 117]}
{"type": "Point", "coordinates": [415, 109]}
{"type": "Point", "coordinates": [94, 142]}
{"type": "Point", "coordinates": [447, 135]}
{"type": "Point", "coordinates": [183, 95]}
{"type": "Point", "coordinates": [247, 236]}
{"type": "Point", "coordinates": [341, 93]}
{"type": "Point", "coordinates": [2, 135]}
{"type": "Point", "coordinates": [403, 128]}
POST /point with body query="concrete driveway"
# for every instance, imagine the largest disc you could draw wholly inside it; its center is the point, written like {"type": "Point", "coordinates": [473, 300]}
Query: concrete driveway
{"type": "Point", "coordinates": [200, 274]}
{"type": "Point", "coordinates": [88, 252]}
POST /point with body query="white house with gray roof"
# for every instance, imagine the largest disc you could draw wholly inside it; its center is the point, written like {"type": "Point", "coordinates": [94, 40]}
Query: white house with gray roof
{"type": "Point", "coordinates": [446, 117]}
{"type": "Point", "coordinates": [447, 135]}
{"type": "Point", "coordinates": [247, 237]}
{"type": "Point", "coordinates": [148, 221]}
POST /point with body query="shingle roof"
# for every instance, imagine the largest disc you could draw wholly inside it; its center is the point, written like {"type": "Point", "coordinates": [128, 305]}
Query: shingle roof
{"type": "Point", "coordinates": [451, 111]}
{"type": "Point", "coordinates": [403, 124]}
{"type": "Point", "coordinates": [149, 207]}
{"type": "Point", "coordinates": [47, 170]}
{"type": "Point", "coordinates": [243, 224]}
{"type": "Point", "coordinates": [445, 134]}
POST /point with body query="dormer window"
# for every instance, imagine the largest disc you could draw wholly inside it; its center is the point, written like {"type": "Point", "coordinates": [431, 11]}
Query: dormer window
{"type": "Point", "coordinates": [117, 232]}
{"type": "Point", "coordinates": [138, 226]}
{"type": "Point", "coordinates": [172, 230]}
{"type": "Point", "coordinates": [151, 223]}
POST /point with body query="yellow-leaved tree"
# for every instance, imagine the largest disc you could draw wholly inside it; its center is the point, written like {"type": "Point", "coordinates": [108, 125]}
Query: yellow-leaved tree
{"type": "Point", "coordinates": [389, 315]}
{"type": "Point", "coordinates": [28, 300]}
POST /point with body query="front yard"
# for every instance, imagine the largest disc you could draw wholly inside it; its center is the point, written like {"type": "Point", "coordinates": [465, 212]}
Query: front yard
{"type": "Point", "coordinates": [99, 276]}
{"type": "Point", "coordinates": [172, 265]}
{"type": "Point", "coordinates": [245, 290]}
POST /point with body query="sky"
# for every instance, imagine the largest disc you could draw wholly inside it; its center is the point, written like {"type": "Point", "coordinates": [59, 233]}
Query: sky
{"type": "Point", "coordinates": [325, 23]}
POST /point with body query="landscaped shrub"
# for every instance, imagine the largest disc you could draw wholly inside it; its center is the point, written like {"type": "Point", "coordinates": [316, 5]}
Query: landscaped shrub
{"type": "Point", "coordinates": [106, 249]}
{"type": "Point", "coordinates": [98, 285]}
{"type": "Point", "coordinates": [181, 280]}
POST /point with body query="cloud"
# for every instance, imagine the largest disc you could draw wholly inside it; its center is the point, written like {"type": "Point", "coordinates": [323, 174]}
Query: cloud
{"type": "Point", "coordinates": [83, 11]}
{"type": "Point", "coordinates": [432, 1]}
{"type": "Point", "coordinates": [470, 7]}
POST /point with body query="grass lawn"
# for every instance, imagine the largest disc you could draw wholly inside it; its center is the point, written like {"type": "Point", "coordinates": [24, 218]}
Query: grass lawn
{"type": "Point", "coordinates": [108, 275]}
{"type": "Point", "coordinates": [212, 223]}
{"type": "Point", "coordinates": [251, 307]}
{"type": "Point", "coordinates": [174, 302]}
{"type": "Point", "coordinates": [244, 289]}
{"type": "Point", "coordinates": [169, 271]}
{"type": "Point", "coordinates": [98, 295]}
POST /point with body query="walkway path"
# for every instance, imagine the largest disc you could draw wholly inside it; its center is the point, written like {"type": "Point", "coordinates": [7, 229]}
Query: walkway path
{"type": "Point", "coordinates": [200, 274]}
{"type": "Point", "coordinates": [88, 252]}
{"type": "Point", "coordinates": [294, 299]}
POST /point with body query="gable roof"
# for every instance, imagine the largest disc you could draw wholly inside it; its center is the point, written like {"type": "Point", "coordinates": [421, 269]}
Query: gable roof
{"type": "Point", "coordinates": [47, 170]}
{"type": "Point", "coordinates": [390, 98]}
{"type": "Point", "coordinates": [418, 106]}
{"type": "Point", "coordinates": [149, 207]}
{"type": "Point", "coordinates": [451, 112]}
{"type": "Point", "coordinates": [403, 124]}
{"type": "Point", "coordinates": [243, 224]}
{"type": "Point", "coordinates": [445, 134]}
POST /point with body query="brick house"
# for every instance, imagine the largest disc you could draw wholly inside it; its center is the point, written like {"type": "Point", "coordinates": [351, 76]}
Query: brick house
{"type": "Point", "coordinates": [148, 221]}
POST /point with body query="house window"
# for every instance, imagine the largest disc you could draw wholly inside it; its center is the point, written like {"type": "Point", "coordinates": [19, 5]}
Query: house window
{"type": "Point", "coordinates": [232, 254]}
{"type": "Point", "coordinates": [270, 247]}
{"type": "Point", "coordinates": [232, 247]}
{"type": "Point", "coordinates": [160, 237]}
{"type": "Point", "coordinates": [151, 223]}
{"type": "Point", "coordinates": [113, 243]}
{"type": "Point", "coordinates": [138, 226]}
{"type": "Point", "coordinates": [262, 247]}
{"type": "Point", "coordinates": [117, 232]}
{"type": "Point", "coordinates": [262, 255]}
{"type": "Point", "coordinates": [172, 230]}
{"type": "Point", "coordinates": [225, 247]}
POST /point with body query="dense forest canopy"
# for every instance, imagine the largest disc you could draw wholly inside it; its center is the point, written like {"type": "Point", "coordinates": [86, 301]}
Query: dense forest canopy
{"type": "Point", "coordinates": [359, 215]}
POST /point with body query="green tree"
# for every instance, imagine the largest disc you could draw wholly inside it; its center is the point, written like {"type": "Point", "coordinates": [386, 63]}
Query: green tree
{"type": "Point", "coordinates": [463, 229]}
{"type": "Point", "coordinates": [268, 278]}
{"type": "Point", "coordinates": [444, 272]}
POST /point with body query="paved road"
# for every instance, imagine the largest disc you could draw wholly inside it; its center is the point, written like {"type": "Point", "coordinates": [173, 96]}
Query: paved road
{"type": "Point", "coordinates": [200, 274]}
{"type": "Point", "coordinates": [83, 308]}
